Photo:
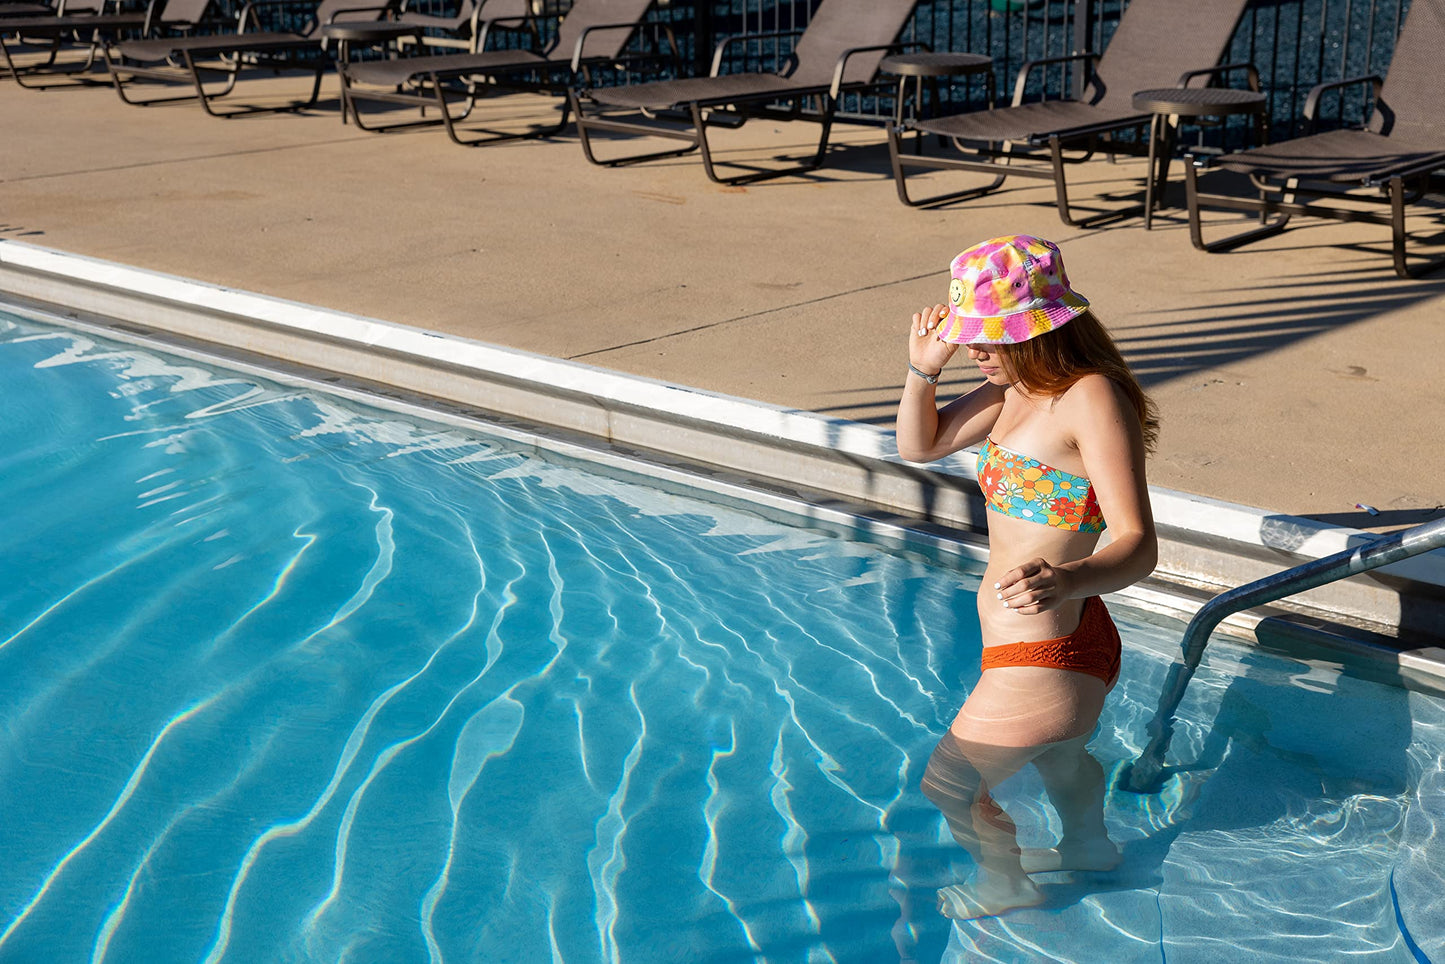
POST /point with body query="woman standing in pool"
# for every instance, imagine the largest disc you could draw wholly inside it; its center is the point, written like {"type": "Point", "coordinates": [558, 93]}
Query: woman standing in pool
{"type": "Point", "coordinates": [1065, 428]}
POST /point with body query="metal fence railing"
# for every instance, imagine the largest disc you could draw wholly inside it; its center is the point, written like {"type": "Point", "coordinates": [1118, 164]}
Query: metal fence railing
{"type": "Point", "coordinates": [1294, 43]}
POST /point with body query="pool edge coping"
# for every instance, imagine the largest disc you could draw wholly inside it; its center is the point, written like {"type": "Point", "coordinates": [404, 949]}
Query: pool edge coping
{"type": "Point", "coordinates": [1206, 544]}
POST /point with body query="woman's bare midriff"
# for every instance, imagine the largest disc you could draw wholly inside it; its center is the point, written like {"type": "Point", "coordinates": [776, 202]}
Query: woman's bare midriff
{"type": "Point", "coordinates": [1013, 542]}
{"type": "Point", "coordinates": [1029, 705]}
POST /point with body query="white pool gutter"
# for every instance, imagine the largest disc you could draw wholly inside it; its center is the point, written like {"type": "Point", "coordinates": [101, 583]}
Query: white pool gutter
{"type": "Point", "coordinates": [833, 465]}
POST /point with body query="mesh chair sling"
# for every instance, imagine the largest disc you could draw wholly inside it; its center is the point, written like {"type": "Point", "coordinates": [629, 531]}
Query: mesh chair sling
{"type": "Point", "coordinates": [1397, 157]}
{"type": "Point", "coordinates": [1158, 43]}
{"type": "Point", "coordinates": [23, 8]}
{"type": "Point", "coordinates": [594, 32]}
{"type": "Point", "coordinates": [83, 23]}
{"type": "Point", "coordinates": [188, 59]}
{"type": "Point", "coordinates": [442, 30]}
{"type": "Point", "coordinates": [838, 51]}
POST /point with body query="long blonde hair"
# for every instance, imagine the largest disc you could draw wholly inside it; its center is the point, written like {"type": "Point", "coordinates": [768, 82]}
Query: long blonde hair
{"type": "Point", "coordinates": [1052, 362]}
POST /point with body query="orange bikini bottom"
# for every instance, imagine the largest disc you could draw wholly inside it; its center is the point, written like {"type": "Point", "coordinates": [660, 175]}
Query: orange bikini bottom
{"type": "Point", "coordinates": [1093, 648]}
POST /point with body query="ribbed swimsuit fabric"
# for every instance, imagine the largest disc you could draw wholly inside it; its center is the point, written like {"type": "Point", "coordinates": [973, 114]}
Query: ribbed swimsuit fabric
{"type": "Point", "coordinates": [1093, 648]}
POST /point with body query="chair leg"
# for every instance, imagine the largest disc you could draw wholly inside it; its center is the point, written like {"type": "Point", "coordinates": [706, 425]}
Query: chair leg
{"type": "Point", "coordinates": [121, 74]}
{"type": "Point", "coordinates": [587, 125]}
{"type": "Point", "coordinates": [492, 136]}
{"type": "Point", "coordinates": [1397, 227]}
{"type": "Point", "coordinates": [350, 99]}
{"type": "Point", "coordinates": [902, 161]}
{"type": "Point", "coordinates": [1061, 194]}
{"type": "Point", "coordinates": [1398, 237]}
{"type": "Point", "coordinates": [72, 72]}
{"type": "Point", "coordinates": [699, 122]}
{"type": "Point", "coordinates": [1196, 233]}
{"type": "Point", "coordinates": [205, 96]}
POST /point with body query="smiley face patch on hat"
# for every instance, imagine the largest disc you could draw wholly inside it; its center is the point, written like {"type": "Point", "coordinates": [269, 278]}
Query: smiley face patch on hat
{"type": "Point", "coordinates": [1007, 290]}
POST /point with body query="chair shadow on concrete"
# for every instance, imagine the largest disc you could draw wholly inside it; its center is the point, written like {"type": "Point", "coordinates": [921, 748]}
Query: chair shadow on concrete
{"type": "Point", "coordinates": [1380, 518]}
{"type": "Point", "coordinates": [1236, 330]}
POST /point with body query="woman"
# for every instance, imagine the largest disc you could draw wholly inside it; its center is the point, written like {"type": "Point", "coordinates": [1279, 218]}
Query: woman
{"type": "Point", "coordinates": [1065, 428]}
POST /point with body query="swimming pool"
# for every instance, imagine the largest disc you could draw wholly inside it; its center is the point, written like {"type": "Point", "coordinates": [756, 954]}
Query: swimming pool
{"type": "Point", "coordinates": [287, 679]}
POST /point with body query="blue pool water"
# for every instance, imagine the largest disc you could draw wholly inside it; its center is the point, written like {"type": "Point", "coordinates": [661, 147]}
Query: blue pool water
{"type": "Point", "coordinates": [288, 679]}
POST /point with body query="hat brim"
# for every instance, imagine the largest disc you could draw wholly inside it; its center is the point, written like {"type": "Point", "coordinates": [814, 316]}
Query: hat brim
{"type": "Point", "coordinates": [1012, 328]}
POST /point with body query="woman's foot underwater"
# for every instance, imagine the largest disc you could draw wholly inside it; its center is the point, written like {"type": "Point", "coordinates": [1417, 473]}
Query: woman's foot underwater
{"type": "Point", "coordinates": [1094, 856]}
{"type": "Point", "coordinates": [987, 898]}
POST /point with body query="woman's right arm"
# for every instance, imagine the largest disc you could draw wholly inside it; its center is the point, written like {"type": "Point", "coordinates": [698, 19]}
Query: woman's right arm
{"type": "Point", "coordinates": [924, 431]}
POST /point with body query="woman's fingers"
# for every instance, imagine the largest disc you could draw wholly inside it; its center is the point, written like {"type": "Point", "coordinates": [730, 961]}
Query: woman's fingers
{"type": "Point", "coordinates": [927, 320]}
{"type": "Point", "coordinates": [1030, 586]}
{"type": "Point", "coordinates": [1033, 609]}
{"type": "Point", "coordinates": [925, 351]}
{"type": "Point", "coordinates": [1019, 574]}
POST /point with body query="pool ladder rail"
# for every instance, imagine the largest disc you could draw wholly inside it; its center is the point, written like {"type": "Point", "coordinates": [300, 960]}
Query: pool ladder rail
{"type": "Point", "coordinates": [1144, 774]}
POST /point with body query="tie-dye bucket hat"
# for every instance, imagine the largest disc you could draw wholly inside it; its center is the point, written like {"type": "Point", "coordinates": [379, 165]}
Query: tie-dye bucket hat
{"type": "Point", "coordinates": [1007, 290]}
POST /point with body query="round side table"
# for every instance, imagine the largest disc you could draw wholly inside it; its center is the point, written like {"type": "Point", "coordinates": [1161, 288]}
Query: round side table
{"type": "Point", "coordinates": [369, 33]}
{"type": "Point", "coordinates": [919, 67]}
{"type": "Point", "coordinates": [1167, 102]}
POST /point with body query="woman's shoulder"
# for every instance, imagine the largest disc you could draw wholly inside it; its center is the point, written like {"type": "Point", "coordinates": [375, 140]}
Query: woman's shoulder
{"type": "Point", "coordinates": [1093, 391]}
{"type": "Point", "coordinates": [1095, 402]}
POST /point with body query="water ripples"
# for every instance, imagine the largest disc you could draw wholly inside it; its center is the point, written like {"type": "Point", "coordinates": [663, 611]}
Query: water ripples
{"type": "Point", "coordinates": [284, 681]}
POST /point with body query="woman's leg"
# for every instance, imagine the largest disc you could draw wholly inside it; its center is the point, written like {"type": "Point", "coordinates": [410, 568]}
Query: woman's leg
{"type": "Point", "coordinates": [1029, 706]}
{"type": "Point", "coordinates": [1014, 716]}
{"type": "Point", "coordinates": [1074, 781]}
{"type": "Point", "coordinates": [957, 781]}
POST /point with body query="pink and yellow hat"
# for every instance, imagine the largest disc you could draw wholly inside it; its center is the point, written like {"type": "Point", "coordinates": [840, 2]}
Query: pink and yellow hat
{"type": "Point", "coordinates": [1008, 290]}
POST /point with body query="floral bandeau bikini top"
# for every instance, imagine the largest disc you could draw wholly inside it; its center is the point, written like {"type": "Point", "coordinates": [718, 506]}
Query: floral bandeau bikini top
{"type": "Point", "coordinates": [1026, 488]}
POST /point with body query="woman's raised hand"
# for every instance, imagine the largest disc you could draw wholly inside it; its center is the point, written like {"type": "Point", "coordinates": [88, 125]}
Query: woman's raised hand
{"type": "Point", "coordinates": [925, 351]}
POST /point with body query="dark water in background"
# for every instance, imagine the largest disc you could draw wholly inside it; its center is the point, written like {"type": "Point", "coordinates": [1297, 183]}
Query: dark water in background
{"type": "Point", "coordinates": [1299, 44]}
{"type": "Point", "coordinates": [1294, 43]}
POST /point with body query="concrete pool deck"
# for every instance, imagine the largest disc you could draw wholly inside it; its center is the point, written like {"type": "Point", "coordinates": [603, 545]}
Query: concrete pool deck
{"type": "Point", "coordinates": [1298, 376]}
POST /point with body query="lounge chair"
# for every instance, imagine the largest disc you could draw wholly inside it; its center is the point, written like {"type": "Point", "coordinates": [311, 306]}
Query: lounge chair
{"type": "Point", "coordinates": [1158, 43]}
{"type": "Point", "coordinates": [594, 33]}
{"type": "Point", "coordinates": [83, 24]}
{"type": "Point", "coordinates": [32, 28]}
{"type": "Point", "coordinates": [839, 51]}
{"type": "Point", "coordinates": [443, 30]}
{"type": "Point", "coordinates": [18, 9]}
{"type": "Point", "coordinates": [189, 59]}
{"type": "Point", "coordinates": [1397, 157]}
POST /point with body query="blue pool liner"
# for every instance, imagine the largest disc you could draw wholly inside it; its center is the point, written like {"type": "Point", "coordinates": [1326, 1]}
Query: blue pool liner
{"type": "Point", "coordinates": [1417, 883]}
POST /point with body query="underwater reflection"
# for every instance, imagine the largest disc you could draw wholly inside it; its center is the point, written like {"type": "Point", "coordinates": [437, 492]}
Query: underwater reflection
{"type": "Point", "coordinates": [961, 778]}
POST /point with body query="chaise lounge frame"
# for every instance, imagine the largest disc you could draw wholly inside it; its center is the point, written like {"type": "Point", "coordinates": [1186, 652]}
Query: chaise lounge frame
{"type": "Point", "coordinates": [66, 28]}
{"type": "Point", "coordinates": [594, 34]}
{"type": "Point", "coordinates": [189, 60]}
{"type": "Point", "coordinates": [1396, 158]}
{"type": "Point", "coordinates": [818, 72]}
{"type": "Point", "coordinates": [1159, 43]}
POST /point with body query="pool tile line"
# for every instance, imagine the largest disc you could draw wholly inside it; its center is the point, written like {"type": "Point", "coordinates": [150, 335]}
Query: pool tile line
{"type": "Point", "coordinates": [1205, 543]}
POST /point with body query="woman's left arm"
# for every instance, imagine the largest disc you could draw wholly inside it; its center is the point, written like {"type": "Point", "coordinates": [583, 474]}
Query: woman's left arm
{"type": "Point", "coordinates": [1111, 444]}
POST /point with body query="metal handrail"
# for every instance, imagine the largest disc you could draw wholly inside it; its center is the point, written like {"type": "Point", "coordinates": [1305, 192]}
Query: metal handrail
{"type": "Point", "coordinates": [1143, 776]}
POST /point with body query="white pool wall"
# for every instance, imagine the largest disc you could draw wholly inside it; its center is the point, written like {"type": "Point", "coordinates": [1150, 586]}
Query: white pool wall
{"type": "Point", "coordinates": [1207, 545]}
